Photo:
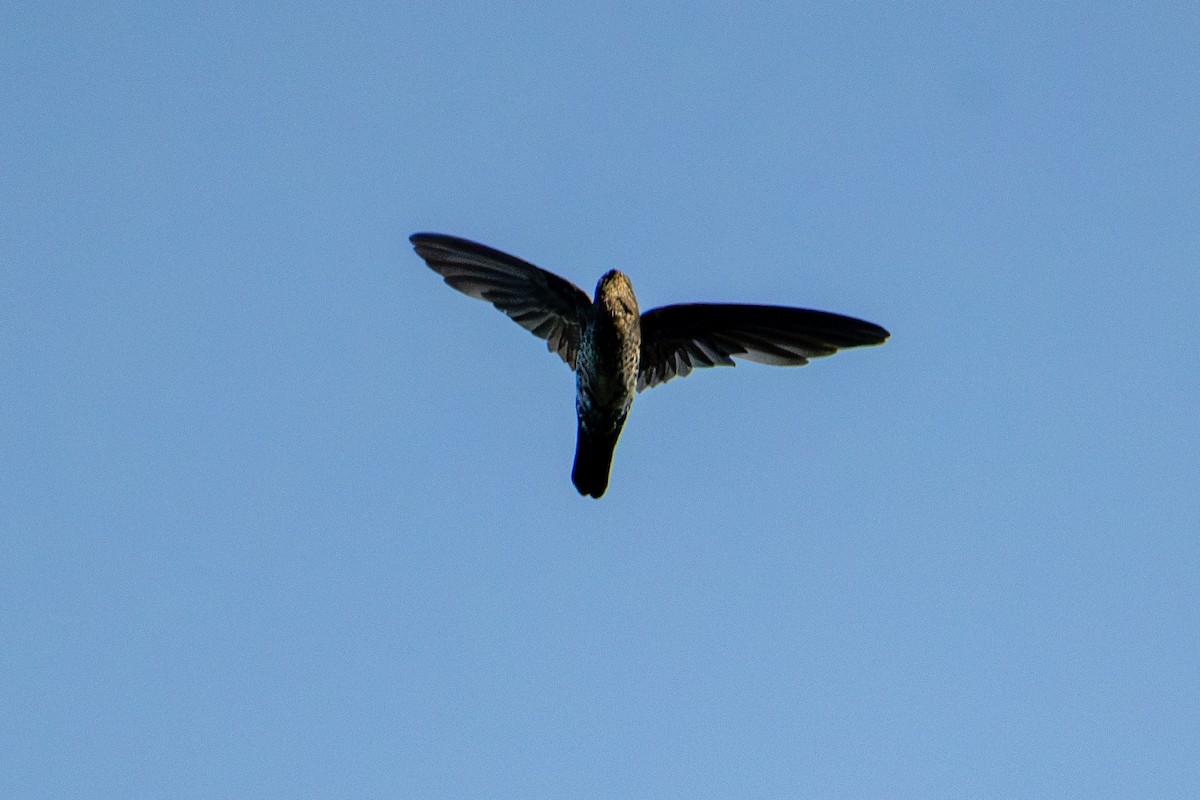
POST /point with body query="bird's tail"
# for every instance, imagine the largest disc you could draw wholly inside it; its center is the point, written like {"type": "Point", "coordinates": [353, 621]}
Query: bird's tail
{"type": "Point", "coordinates": [593, 460]}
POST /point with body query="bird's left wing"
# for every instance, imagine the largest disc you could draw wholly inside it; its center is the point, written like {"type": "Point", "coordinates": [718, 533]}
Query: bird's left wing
{"type": "Point", "coordinates": [675, 339]}
{"type": "Point", "coordinates": [548, 306]}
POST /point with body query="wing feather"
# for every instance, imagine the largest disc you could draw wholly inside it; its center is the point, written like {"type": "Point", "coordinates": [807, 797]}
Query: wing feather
{"type": "Point", "coordinates": [676, 339]}
{"type": "Point", "coordinates": [546, 305]}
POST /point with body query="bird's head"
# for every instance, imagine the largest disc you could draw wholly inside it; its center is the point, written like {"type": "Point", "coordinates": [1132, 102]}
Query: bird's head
{"type": "Point", "coordinates": [614, 293]}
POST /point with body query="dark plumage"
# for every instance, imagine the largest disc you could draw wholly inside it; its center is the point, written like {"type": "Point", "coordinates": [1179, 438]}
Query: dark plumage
{"type": "Point", "coordinates": [616, 351]}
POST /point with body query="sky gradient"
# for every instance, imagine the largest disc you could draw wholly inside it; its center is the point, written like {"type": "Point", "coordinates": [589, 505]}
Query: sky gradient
{"type": "Point", "coordinates": [283, 515]}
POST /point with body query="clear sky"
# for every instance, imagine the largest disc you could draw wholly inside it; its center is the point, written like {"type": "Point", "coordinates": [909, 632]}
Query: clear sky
{"type": "Point", "coordinates": [285, 516]}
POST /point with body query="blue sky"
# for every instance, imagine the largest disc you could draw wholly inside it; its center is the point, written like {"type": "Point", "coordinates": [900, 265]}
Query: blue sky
{"type": "Point", "coordinates": [283, 515]}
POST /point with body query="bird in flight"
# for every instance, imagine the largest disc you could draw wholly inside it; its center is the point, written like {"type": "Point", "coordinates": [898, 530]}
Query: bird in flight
{"type": "Point", "coordinates": [616, 350]}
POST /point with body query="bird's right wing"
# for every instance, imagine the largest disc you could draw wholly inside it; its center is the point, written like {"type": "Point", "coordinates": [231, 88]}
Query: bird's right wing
{"type": "Point", "coordinates": [677, 338]}
{"type": "Point", "coordinates": [548, 306]}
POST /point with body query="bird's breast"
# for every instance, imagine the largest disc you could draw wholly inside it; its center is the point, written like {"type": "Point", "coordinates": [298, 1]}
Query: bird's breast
{"type": "Point", "coordinates": [607, 363]}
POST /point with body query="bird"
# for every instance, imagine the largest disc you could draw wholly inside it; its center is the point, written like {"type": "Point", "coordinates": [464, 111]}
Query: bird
{"type": "Point", "coordinates": [616, 350]}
